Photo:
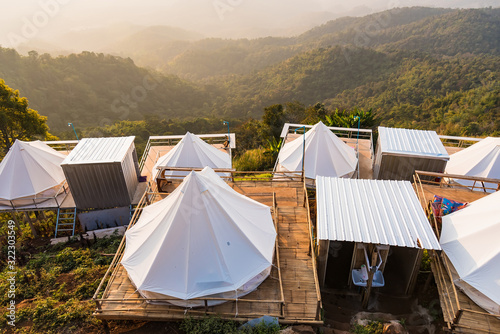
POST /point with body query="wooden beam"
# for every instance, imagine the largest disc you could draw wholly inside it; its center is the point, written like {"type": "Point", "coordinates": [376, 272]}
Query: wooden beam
{"type": "Point", "coordinates": [30, 222]}
{"type": "Point", "coordinates": [14, 218]}
{"type": "Point", "coordinates": [414, 274]}
{"type": "Point", "coordinates": [368, 290]}
{"type": "Point", "coordinates": [323, 247]}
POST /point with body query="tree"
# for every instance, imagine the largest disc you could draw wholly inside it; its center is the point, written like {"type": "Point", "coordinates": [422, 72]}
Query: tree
{"type": "Point", "coordinates": [273, 119]}
{"type": "Point", "coordinates": [17, 120]}
{"type": "Point", "coordinates": [315, 113]}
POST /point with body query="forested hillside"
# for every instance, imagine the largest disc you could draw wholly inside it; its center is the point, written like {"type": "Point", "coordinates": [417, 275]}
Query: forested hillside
{"type": "Point", "coordinates": [433, 30]}
{"type": "Point", "coordinates": [95, 89]}
{"type": "Point", "coordinates": [458, 95]}
{"type": "Point", "coordinates": [413, 67]}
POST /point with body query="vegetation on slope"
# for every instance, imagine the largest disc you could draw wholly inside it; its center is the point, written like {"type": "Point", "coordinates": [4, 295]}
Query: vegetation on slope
{"type": "Point", "coordinates": [450, 83]}
{"type": "Point", "coordinates": [53, 284]}
{"type": "Point", "coordinates": [95, 89]}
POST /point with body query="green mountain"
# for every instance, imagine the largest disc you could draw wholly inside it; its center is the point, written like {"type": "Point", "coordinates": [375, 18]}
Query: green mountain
{"type": "Point", "coordinates": [308, 77]}
{"type": "Point", "coordinates": [94, 89]}
{"type": "Point", "coordinates": [403, 88]}
{"type": "Point", "coordinates": [434, 30]}
{"type": "Point", "coordinates": [355, 30]}
{"type": "Point", "coordinates": [415, 67]}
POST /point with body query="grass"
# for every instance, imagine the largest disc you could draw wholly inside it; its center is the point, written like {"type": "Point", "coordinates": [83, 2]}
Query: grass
{"type": "Point", "coordinates": [209, 325]}
{"type": "Point", "coordinates": [258, 159]}
{"type": "Point", "coordinates": [55, 285]}
{"type": "Point", "coordinates": [373, 327]}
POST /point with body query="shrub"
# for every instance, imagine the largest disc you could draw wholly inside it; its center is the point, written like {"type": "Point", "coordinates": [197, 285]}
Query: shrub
{"type": "Point", "coordinates": [373, 327]}
{"type": "Point", "coordinates": [209, 325]}
{"type": "Point", "coordinates": [253, 160]}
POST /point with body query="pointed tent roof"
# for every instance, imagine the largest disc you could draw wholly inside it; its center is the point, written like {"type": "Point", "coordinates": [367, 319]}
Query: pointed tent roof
{"type": "Point", "coordinates": [481, 159]}
{"type": "Point", "coordinates": [203, 239]}
{"type": "Point", "coordinates": [192, 151]}
{"type": "Point", "coordinates": [326, 154]}
{"type": "Point", "coordinates": [29, 169]}
{"type": "Point", "coordinates": [470, 240]}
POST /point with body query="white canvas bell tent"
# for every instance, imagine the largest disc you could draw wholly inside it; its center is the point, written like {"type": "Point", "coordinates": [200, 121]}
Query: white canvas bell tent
{"type": "Point", "coordinates": [481, 160]}
{"type": "Point", "coordinates": [470, 240]}
{"type": "Point", "coordinates": [325, 154]}
{"type": "Point", "coordinates": [203, 240]}
{"type": "Point", "coordinates": [30, 174]}
{"type": "Point", "coordinates": [192, 152]}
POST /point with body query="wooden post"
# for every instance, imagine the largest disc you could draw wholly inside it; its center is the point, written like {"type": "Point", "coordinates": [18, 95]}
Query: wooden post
{"type": "Point", "coordinates": [30, 222]}
{"type": "Point", "coordinates": [106, 326]}
{"type": "Point", "coordinates": [368, 290]}
{"type": "Point", "coordinates": [323, 248]}
{"type": "Point", "coordinates": [414, 273]}
{"type": "Point", "coordinates": [457, 318]}
{"type": "Point", "coordinates": [14, 218]}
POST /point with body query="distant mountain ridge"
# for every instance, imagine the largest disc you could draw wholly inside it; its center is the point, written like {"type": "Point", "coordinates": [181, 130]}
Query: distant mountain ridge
{"type": "Point", "coordinates": [433, 30]}
{"type": "Point", "coordinates": [92, 89]}
{"type": "Point", "coordinates": [438, 68]}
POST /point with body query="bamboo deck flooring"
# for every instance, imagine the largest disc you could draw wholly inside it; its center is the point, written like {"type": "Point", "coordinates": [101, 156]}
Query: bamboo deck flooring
{"type": "Point", "coordinates": [299, 284]}
{"type": "Point", "coordinates": [155, 152]}
{"type": "Point", "coordinates": [461, 195]}
{"type": "Point", "coordinates": [460, 313]}
{"type": "Point", "coordinates": [365, 153]}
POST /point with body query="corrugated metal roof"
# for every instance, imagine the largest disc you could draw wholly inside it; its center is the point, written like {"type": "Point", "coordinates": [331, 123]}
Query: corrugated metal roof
{"type": "Point", "coordinates": [411, 142]}
{"type": "Point", "coordinates": [372, 211]}
{"type": "Point", "coordinates": [99, 150]}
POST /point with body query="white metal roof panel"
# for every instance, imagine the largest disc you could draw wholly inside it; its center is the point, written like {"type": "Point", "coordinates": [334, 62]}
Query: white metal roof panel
{"type": "Point", "coordinates": [412, 142]}
{"type": "Point", "coordinates": [99, 150]}
{"type": "Point", "coordinates": [383, 212]}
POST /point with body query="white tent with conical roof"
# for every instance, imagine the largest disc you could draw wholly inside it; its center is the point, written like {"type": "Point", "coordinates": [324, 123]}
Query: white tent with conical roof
{"type": "Point", "coordinates": [192, 152]}
{"type": "Point", "coordinates": [204, 239]}
{"type": "Point", "coordinates": [30, 173]}
{"type": "Point", "coordinates": [481, 160]}
{"type": "Point", "coordinates": [325, 154]}
{"type": "Point", "coordinates": [469, 238]}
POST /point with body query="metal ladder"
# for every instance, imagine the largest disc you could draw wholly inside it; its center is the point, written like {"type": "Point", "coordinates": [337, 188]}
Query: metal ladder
{"type": "Point", "coordinates": [64, 215]}
{"type": "Point", "coordinates": [132, 208]}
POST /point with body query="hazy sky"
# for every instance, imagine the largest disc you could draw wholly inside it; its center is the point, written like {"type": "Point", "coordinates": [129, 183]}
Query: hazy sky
{"type": "Point", "coordinates": [25, 20]}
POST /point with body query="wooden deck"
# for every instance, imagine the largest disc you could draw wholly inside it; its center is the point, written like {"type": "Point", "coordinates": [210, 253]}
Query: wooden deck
{"type": "Point", "coordinates": [291, 293]}
{"type": "Point", "coordinates": [460, 195]}
{"type": "Point", "coordinates": [365, 153]}
{"type": "Point", "coordinates": [156, 152]}
{"type": "Point", "coordinates": [460, 313]}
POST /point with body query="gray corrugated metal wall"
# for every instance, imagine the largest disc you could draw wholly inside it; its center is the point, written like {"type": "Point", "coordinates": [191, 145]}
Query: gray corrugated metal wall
{"type": "Point", "coordinates": [400, 167]}
{"type": "Point", "coordinates": [392, 167]}
{"type": "Point", "coordinates": [103, 185]}
{"type": "Point", "coordinates": [130, 172]}
{"type": "Point", "coordinates": [97, 186]}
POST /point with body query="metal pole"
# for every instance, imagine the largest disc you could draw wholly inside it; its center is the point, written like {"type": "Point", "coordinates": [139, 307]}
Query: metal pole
{"type": "Point", "coordinates": [71, 124]}
{"type": "Point", "coordinates": [228, 135]}
{"type": "Point", "coordinates": [228, 140]}
{"type": "Point", "coordinates": [357, 140]}
{"type": "Point", "coordinates": [303, 149]}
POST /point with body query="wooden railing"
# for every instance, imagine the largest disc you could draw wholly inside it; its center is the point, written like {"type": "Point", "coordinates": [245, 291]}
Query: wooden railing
{"type": "Point", "coordinates": [104, 286]}
{"type": "Point", "coordinates": [172, 140]}
{"type": "Point", "coordinates": [275, 218]}
{"type": "Point", "coordinates": [443, 275]}
{"type": "Point", "coordinates": [312, 253]}
{"type": "Point", "coordinates": [446, 180]}
{"type": "Point", "coordinates": [41, 202]}
{"type": "Point", "coordinates": [62, 145]}
{"type": "Point", "coordinates": [454, 141]}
